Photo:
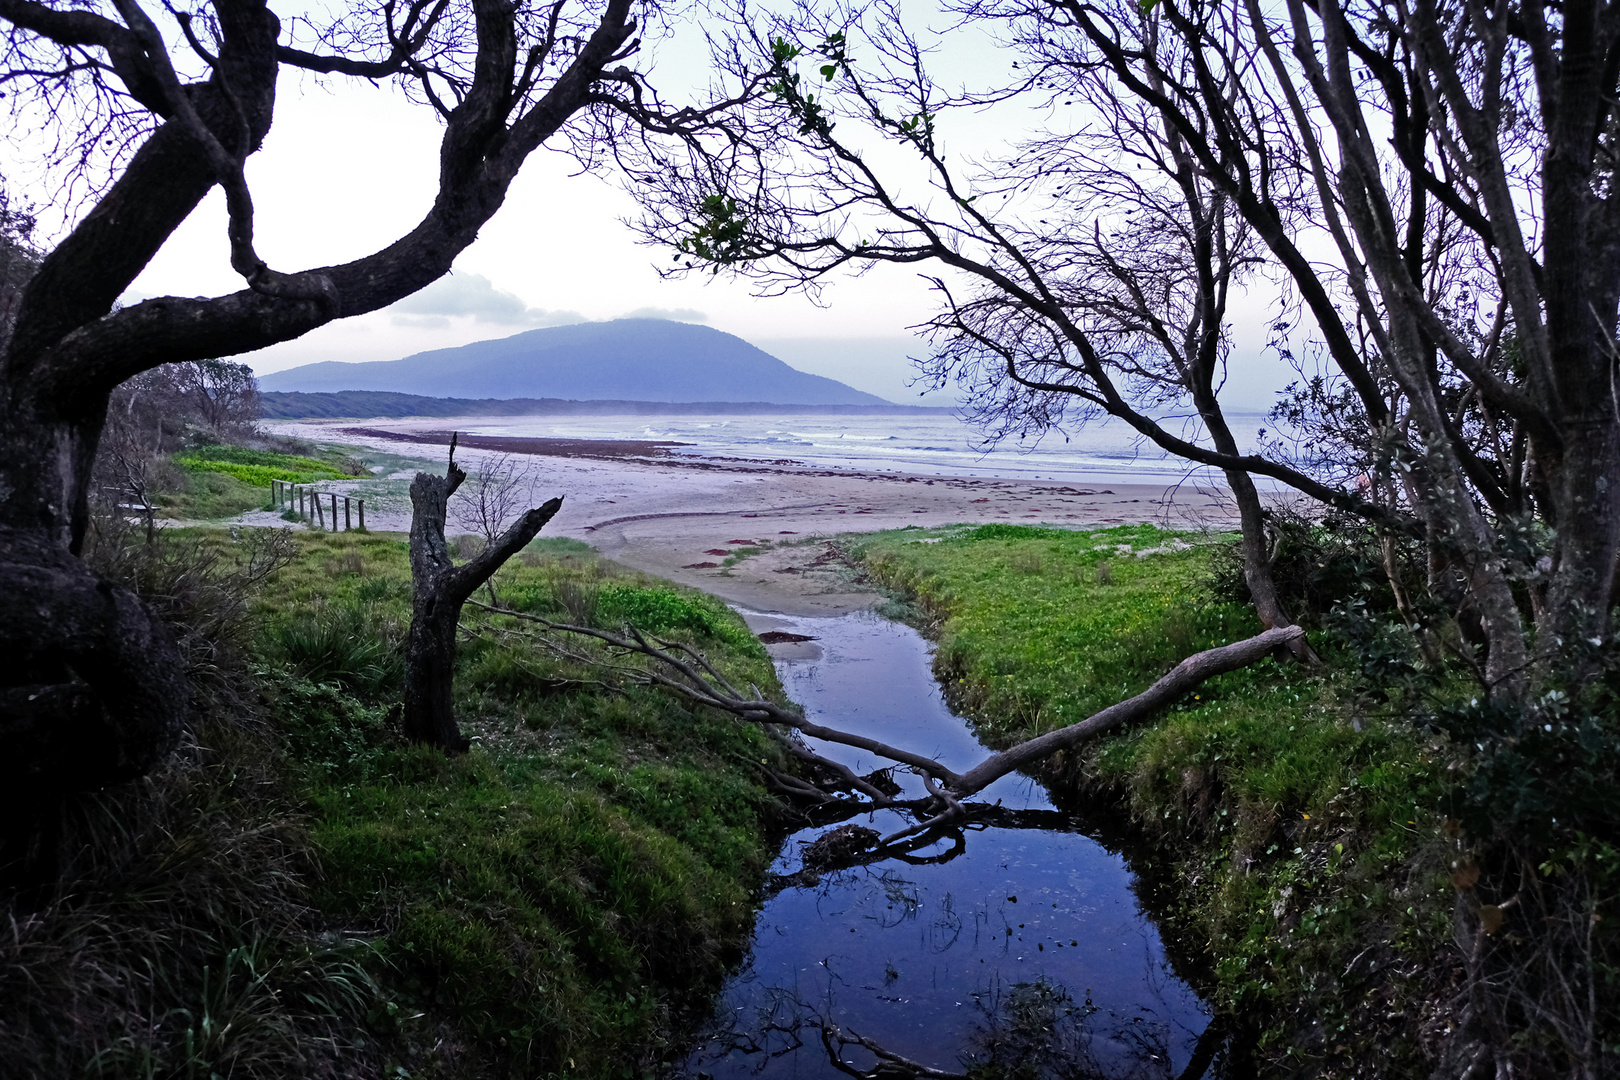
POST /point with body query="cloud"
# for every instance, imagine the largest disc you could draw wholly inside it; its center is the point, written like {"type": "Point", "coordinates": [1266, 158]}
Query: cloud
{"type": "Point", "coordinates": [684, 314]}
{"type": "Point", "coordinates": [476, 297]}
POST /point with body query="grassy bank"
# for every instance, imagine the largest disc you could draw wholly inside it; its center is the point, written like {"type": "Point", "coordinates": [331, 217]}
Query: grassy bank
{"type": "Point", "coordinates": [303, 893]}
{"type": "Point", "coordinates": [1302, 827]}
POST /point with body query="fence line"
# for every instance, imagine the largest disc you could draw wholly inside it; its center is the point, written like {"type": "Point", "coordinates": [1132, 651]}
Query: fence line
{"type": "Point", "coordinates": [305, 501]}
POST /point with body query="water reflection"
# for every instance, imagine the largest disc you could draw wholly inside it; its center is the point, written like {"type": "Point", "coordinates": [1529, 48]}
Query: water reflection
{"type": "Point", "coordinates": [1012, 945]}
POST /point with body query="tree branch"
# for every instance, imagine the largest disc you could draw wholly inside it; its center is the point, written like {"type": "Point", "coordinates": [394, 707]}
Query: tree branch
{"type": "Point", "coordinates": [1181, 680]}
{"type": "Point", "coordinates": [473, 573]}
{"type": "Point", "coordinates": [692, 685]}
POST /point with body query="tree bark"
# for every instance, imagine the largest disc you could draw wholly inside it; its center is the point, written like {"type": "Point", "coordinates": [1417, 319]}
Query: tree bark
{"type": "Point", "coordinates": [92, 688]}
{"type": "Point", "coordinates": [440, 589]}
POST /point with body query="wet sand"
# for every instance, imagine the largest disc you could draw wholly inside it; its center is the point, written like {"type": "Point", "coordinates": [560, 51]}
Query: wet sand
{"type": "Point", "coordinates": [680, 517]}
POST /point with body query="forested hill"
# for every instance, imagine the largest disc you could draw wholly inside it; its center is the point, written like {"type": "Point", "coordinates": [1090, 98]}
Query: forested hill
{"type": "Point", "coordinates": [638, 359]}
{"type": "Point", "coordinates": [376, 403]}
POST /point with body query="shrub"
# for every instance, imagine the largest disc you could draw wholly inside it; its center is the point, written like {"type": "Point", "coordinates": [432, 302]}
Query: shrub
{"type": "Point", "coordinates": [1316, 565]}
{"type": "Point", "coordinates": [337, 644]}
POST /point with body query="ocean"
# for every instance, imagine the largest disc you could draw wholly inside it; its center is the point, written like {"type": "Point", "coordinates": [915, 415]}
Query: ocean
{"type": "Point", "coordinates": [924, 444]}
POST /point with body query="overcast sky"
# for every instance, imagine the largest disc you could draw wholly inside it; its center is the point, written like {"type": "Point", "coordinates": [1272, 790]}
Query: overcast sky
{"type": "Point", "coordinates": [350, 166]}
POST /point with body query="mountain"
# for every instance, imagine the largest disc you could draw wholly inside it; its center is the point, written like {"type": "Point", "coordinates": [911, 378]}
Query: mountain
{"type": "Point", "coordinates": [638, 359]}
{"type": "Point", "coordinates": [295, 405]}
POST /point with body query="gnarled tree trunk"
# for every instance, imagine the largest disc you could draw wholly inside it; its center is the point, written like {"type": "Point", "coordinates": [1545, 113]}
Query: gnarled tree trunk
{"type": "Point", "coordinates": [440, 589]}
{"type": "Point", "coordinates": [92, 687]}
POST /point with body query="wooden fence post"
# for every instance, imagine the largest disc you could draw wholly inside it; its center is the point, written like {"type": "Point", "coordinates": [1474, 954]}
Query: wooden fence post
{"type": "Point", "coordinates": [362, 515]}
{"type": "Point", "coordinates": [346, 526]}
{"type": "Point", "coordinates": [334, 512]}
{"type": "Point", "coordinates": [320, 519]}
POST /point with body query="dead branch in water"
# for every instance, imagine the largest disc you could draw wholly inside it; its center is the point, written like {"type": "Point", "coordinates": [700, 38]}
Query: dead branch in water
{"type": "Point", "coordinates": [686, 673]}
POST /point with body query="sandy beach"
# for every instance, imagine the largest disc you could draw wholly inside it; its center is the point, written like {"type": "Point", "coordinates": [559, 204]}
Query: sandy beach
{"type": "Point", "coordinates": [680, 518]}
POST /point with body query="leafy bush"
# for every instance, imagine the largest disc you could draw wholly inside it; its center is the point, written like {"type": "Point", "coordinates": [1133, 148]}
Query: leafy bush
{"type": "Point", "coordinates": [329, 732]}
{"type": "Point", "coordinates": [1315, 566]}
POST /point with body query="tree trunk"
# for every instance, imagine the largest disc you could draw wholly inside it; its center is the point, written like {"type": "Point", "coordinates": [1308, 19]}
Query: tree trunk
{"type": "Point", "coordinates": [1585, 485]}
{"type": "Point", "coordinates": [1252, 521]}
{"type": "Point", "coordinates": [440, 589]}
{"type": "Point", "coordinates": [92, 692]}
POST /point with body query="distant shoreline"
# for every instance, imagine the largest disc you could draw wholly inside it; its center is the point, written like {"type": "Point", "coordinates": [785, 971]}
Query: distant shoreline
{"type": "Point", "coordinates": [380, 404]}
{"type": "Point", "coordinates": [681, 516]}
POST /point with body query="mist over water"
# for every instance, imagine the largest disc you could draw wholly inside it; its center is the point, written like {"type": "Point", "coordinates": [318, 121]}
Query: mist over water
{"type": "Point", "coordinates": [936, 445]}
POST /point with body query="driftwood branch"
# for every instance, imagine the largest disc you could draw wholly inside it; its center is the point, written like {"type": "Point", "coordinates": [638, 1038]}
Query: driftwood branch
{"type": "Point", "coordinates": [1182, 678]}
{"type": "Point", "coordinates": [688, 674]}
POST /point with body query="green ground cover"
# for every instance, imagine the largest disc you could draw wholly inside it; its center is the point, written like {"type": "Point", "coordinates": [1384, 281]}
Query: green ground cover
{"type": "Point", "coordinates": [205, 495]}
{"type": "Point", "coordinates": [257, 467]}
{"type": "Point", "coordinates": [214, 482]}
{"type": "Point", "coordinates": [1304, 829]}
{"type": "Point", "coordinates": [562, 896]}
{"type": "Point", "coordinates": [299, 892]}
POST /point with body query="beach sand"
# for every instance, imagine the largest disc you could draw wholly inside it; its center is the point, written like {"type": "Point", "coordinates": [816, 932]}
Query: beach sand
{"type": "Point", "coordinates": [680, 517]}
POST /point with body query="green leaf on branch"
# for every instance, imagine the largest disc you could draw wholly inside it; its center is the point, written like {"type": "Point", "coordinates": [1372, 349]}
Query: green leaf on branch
{"type": "Point", "coordinates": [722, 238]}
{"type": "Point", "coordinates": [919, 127]}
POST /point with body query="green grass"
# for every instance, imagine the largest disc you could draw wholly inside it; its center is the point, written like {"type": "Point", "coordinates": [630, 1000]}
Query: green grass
{"type": "Point", "coordinates": [562, 898]}
{"type": "Point", "coordinates": [1299, 828]}
{"type": "Point", "coordinates": [257, 467]}
{"type": "Point", "coordinates": [217, 482]}
{"type": "Point", "coordinates": [203, 495]}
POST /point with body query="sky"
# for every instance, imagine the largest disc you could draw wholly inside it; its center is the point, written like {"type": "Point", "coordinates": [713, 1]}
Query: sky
{"type": "Point", "coordinates": [349, 166]}
{"type": "Point", "coordinates": [345, 171]}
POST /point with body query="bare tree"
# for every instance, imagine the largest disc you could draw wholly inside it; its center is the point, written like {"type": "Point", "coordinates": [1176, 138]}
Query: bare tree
{"type": "Point", "coordinates": [492, 498]}
{"type": "Point", "coordinates": [92, 688]}
{"type": "Point", "coordinates": [1460, 277]}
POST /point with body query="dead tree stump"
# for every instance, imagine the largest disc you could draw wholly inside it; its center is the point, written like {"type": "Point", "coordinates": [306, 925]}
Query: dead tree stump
{"type": "Point", "coordinates": [439, 590]}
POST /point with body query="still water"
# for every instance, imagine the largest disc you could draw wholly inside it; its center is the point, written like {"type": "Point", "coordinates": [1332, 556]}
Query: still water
{"type": "Point", "coordinates": [1020, 943]}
